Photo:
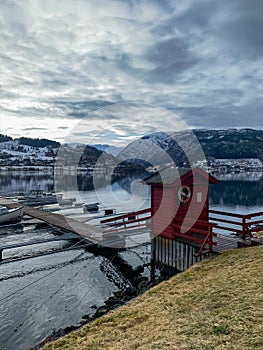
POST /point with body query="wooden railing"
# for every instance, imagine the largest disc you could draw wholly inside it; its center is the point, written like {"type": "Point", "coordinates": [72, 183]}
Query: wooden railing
{"type": "Point", "coordinates": [199, 231]}
{"type": "Point", "coordinates": [242, 225]}
{"type": "Point", "coordinates": [127, 221]}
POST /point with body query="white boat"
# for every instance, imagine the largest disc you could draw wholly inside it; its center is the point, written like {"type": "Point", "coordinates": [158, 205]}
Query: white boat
{"type": "Point", "coordinates": [9, 215]}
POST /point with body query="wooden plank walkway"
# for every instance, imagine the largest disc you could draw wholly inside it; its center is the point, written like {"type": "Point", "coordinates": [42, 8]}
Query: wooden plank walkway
{"type": "Point", "coordinates": [226, 242]}
{"type": "Point", "coordinates": [85, 230]}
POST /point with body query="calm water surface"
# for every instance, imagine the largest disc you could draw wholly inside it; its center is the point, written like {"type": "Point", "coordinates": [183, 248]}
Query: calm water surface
{"type": "Point", "coordinates": [43, 294]}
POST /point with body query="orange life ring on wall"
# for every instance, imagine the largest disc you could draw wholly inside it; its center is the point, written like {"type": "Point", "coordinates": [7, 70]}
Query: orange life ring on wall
{"type": "Point", "coordinates": [184, 194]}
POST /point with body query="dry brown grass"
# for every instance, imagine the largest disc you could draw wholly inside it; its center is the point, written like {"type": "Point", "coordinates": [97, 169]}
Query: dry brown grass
{"type": "Point", "coordinates": [259, 234]}
{"type": "Point", "coordinates": [215, 305]}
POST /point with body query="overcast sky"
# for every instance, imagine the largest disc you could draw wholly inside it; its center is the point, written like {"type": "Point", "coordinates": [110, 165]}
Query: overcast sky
{"type": "Point", "coordinates": [62, 60]}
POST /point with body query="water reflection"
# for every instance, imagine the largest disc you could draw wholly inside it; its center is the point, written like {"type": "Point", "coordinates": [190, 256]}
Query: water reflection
{"type": "Point", "coordinates": [13, 182]}
{"type": "Point", "coordinates": [231, 193]}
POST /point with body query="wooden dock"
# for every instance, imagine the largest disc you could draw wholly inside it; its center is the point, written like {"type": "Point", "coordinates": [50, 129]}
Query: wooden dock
{"type": "Point", "coordinates": [225, 242]}
{"type": "Point", "coordinates": [69, 224]}
{"type": "Point", "coordinates": [116, 237]}
{"type": "Point", "coordinates": [98, 235]}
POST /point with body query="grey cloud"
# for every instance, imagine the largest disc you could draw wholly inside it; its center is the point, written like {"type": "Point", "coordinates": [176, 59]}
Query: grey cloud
{"type": "Point", "coordinates": [81, 109]}
{"type": "Point", "coordinates": [63, 62]}
{"type": "Point", "coordinates": [171, 58]}
{"type": "Point", "coordinates": [234, 27]}
{"type": "Point", "coordinates": [243, 32]}
{"type": "Point", "coordinates": [227, 115]}
{"type": "Point", "coordinates": [33, 128]}
{"type": "Point", "coordinates": [198, 16]}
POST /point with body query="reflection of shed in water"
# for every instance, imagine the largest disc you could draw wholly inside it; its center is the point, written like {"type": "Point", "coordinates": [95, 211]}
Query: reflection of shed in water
{"type": "Point", "coordinates": [179, 211]}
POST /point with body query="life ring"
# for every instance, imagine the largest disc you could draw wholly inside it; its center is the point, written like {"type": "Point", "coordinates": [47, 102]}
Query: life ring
{"type": "Point", "coordinates": [184, 194]}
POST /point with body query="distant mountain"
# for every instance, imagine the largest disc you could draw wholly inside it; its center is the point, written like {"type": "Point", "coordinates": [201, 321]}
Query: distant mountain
{"type": "Point", "coordinates": [5, 138]}
{"type": "Point", "coordinates": [162, 148]}
{"type": "Point", "coordinates": [30, 142]}
{"type": "Point", "coordinates": [38, 152]}
{"type": "Point", "coordinates": [154, 149]}
{"type": "Point", "coordinates": [231, 143]}
{"type": "Point", "coordinates": [70, 155]}
{"type": "Point", "coordinates": [108, 148]}
{"type": "Point", "coordinates": [38, 143]}
{"type": "Point", "coordinates": [101, 147]}
{"type": "Point", "coordinates": [28, 151]}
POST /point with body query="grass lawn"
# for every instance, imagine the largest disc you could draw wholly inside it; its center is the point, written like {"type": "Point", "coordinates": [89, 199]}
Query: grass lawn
{"type": "Point", "coordinates": [215, 305]}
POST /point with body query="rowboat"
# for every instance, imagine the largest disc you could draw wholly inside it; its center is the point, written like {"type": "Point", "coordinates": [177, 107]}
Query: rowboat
{"type": "Point", "coordinates": [91, 207]}
{"type": "Point", "coordinates": [9, 215]}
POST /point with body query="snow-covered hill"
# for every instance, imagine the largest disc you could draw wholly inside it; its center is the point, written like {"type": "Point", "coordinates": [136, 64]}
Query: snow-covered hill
{"type": "Point", "coordinates": [196, 145]}
{"type": "Point", "coordinates": [13, 152]}
{"type": "Point", "coordinates": [161, 149]}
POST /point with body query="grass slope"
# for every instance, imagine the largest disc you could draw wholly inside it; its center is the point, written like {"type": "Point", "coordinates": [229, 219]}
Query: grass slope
{"type": "Point", "coordinates": [216, 304]}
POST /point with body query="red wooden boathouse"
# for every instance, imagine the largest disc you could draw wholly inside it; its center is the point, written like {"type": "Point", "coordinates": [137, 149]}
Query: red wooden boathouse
{"type": "Point", "coordinates": [180, 215]}
{"type": "Point", "coordinates": [178, 195]}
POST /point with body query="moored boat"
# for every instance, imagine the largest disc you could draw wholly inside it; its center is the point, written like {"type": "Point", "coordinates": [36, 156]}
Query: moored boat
{"type": "Point", "coordinates": [94, 207]}
{"type": "Point", "coordinates": [9, 215]}
{"type": "Point", "coordinates": [39, 197]}
{"type": "Point", "coordinates": [66, 201]}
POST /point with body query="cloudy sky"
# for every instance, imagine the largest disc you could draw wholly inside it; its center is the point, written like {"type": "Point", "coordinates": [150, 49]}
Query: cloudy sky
{"type": "Point", "coordinates": [200, 60]}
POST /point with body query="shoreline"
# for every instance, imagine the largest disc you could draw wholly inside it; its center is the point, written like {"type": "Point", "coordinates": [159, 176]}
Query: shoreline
{"type": "Point", "coordinates": [119, 298]}
{"type": "Point", "coordinates": [208, 306]}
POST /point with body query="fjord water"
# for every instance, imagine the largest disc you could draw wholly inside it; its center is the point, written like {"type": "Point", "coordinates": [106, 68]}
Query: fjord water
{"type": "Point", "coordinates": [43, 294]}
{"type": "Point", "coordinates": [240, 193]}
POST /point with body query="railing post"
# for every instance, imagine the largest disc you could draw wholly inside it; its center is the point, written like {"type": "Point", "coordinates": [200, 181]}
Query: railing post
{"type": "Point", "coordinates": [245, 231]}
{"type": "Point", "coordinates": [210, 241]}
{"type": "Point", "coordinates": [243, 227]}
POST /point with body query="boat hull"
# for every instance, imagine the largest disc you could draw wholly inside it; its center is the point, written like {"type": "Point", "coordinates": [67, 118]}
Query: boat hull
{"type": "Point", "coordinates": [12, 215]}
{"type": "Point", "coordinates": [40, 201]}
{"type": "Point", "coordinates": [91, 208]}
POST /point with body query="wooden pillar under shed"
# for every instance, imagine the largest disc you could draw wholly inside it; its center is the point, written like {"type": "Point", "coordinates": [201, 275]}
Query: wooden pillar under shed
{"type": "Point", "coordinates": [172, 253]}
